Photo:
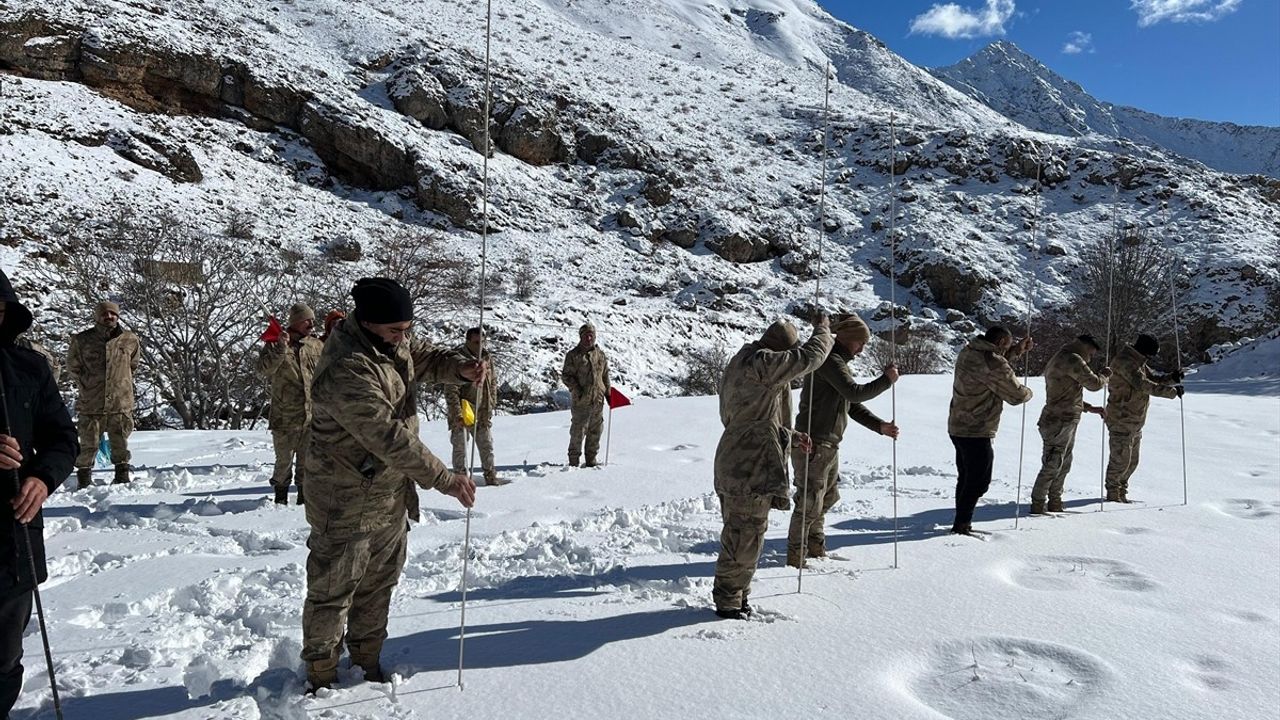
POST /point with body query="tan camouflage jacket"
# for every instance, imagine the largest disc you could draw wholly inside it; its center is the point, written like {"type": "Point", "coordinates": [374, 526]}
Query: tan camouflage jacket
{"type": "Point", "coordinates": [102, 362]}
{"type": "Point", "coordinates": [365, 454]}
{"type": "Point", "coordinates": [838, 397]}
{"type": "Point", "coordinates": [755, 408]}
{"type": "Point", "coordinates": [290, 371]}
{"type": "Point", "coordinates": [1132, 385]}
{"type": "Point", "coordinates": [455, 394]}
{"type": "Point", "coordinates": [1066, 377]}
{"type": "Point", "coordinates": [54, 366]}
{"type": "Point", "coordinates": [586, 374]}
{"type": "Point", "coordinates": [983, 380]}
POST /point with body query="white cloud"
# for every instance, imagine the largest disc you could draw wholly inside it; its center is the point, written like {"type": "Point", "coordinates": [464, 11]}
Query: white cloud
{"type": "Point", "coordinates": [1078, 42]}
{"type": "Point", "coordinates": [1151, 12]}
{"type": "Point", "coordinates": [952, 21]}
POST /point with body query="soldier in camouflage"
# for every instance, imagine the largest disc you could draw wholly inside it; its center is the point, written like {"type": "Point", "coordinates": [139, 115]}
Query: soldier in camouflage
{"type": "Point", "coordinates": [102, 360]}
{"type": "Point", "coordinates": [363, 465]}
{"type": "Point", "coordinates": [751, 457]}
{"type": "Point", "coordinates": [1132, 384]}
{"type": "Point", "coordinates": [289, 364]}
{"type": "Point", "coordinates": [984, 380]}
{"type": "Point", "coordinates": [829, 398]}
{"type": "Point", "coordinates": [482, 398]}
{"type": "Point", "coordinates": [586, 374]}
{"type": "Point", "coordinates": [1066, 377]}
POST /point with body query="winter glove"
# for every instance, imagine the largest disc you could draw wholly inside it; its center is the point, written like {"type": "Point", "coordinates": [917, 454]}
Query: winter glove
{"type": "Point", "coordinates": [1176, 376]}
{"type": "Point", "coordinates": [1179, 390]}
{"type": "Point", "coordinates": [780, 502]}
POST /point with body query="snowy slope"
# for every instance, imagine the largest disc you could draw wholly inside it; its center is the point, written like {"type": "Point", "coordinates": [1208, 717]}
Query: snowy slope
{"type": "Point", "coordinates": [695, 227]}
{"type": "Point", "coordinates": [180, 596]}
{"type": "Point", "coordinates": [1020, 87]}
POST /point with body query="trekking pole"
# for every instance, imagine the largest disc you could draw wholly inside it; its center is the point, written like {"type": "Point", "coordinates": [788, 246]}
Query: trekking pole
{"type": "Point", "coordinates": [484, 259]}
{"type": "Point", "coordinates": [1026, 358]}
{"type": "Point", "coordinates": [1177, 346]}
{"type": "Point", "coordinates": [893, 316]}
{"type": "Point", "coordinates": [817, 299]}
{"type": "Point", "coordinates": [1111, 274]}
{"type": "Point", "coordinates": [31, 560]}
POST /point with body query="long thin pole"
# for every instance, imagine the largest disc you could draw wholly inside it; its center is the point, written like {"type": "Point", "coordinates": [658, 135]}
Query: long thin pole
{"type": "Point", "coordinates": [608, 436]}
{"type": "Point", "coordinates": [810, 383]}
{"type": "Point", "coordinates": [1111, 275]}
{"type": "Point", "coordinates": [1177, 347]}
{"type": "Point", "coordinates": [484, 259]}
{"type": "Point", "coordinates": [31, 564]}
{"type": "Point", "coordinates": [1026, 360]}
{"type": "Point", "coordinates": [893, 313]}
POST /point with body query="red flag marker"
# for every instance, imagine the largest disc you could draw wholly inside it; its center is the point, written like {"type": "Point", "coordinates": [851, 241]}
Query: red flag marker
{"type": "Point", "coordinates": [273, 331]}
{"type": "Point", "coordinates": [617, 399]}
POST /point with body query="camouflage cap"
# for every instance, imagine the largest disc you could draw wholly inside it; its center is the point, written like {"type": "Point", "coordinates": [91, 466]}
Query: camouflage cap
{"type": "Point", "coordinates": [851, 325]}
{"type": "Point", "coordinates": [104, 306]}
{"type": "Point", "coordinates": [586, 328]}
{"type": "Point", "coordinates": [299, 312]}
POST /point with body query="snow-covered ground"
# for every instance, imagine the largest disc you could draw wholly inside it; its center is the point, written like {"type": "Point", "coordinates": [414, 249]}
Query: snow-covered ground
{"type": "Point", "coordinates": [180, 596]}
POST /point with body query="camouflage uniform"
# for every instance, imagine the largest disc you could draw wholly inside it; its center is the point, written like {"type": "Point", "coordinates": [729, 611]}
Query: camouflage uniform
{"type": "Point", "coordinates": [1065, 378]}
{"type": "Point", "coordinates": [364, 460]}
{"type": "Point", "coordinates": [290, 369]}
{"type": "Point", "coordinates": [482, 431]}
{"type": "Point", "coordinates": [983, 381]}
{"type": "Point", "coordinates": [586, 374]}
{"type": "Point", "coordinates": [751, 458]}
{"type": "Point", "coordinates": [1132, 385]}
{"type": "Point", "coordinates": [834, 399]}
{"type": "Point", "coordinates": [101, 360]}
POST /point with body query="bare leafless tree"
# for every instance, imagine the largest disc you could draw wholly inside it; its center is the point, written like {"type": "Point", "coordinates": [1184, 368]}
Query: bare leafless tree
{"type": "Point", "coordinates": [703, 370]}
{"type": "Point", "coordinates": [920, 351]}
{"type": "Point", "coordinates": [440, 284]}
{"type": "Point", "coordinates": [1124, 279]}
{"type": "Point", "coordinates": [196, 302]}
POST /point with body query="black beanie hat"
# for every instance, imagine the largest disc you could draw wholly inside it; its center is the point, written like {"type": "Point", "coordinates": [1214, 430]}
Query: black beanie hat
{"type": "Point", "coordinates": [1088, 339]}
{"type": "Point", "coordinates": [1147, 345]}
{"type": "Point", "coordinates": [381, 300]}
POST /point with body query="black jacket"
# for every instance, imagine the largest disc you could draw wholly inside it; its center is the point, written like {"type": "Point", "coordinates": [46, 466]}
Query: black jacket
{"type": "Point", "coordinates": [39, 420]}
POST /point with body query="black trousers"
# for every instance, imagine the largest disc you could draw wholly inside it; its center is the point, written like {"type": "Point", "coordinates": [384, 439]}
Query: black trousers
{"type": "Point", "coordinates": [15, 614]}
{"type": "Point", "coordinates": [974, 458]}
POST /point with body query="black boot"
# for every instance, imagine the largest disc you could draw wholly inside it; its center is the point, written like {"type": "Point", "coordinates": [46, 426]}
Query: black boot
{"type": "Point", "coordinates": [1038, 507]}
{"type": "Point", "coordinates": [84, 478]}
{"type": "Point", "coordinates": [282, 494]}
{"type": "Point", "coordinates": [122, 474]}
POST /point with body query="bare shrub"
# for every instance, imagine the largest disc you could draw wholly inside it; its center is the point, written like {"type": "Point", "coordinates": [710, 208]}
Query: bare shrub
{"type": "Point", "coordinates": [920, 351]}
{"type": "Point", "coordinates": [417, 259]}
{"type": "Point", "coordinates": [525, 279]}
{"type": "Point", "coordinates": [704, 370]}
{"type": "Point", "coordinates": [1124, 286]}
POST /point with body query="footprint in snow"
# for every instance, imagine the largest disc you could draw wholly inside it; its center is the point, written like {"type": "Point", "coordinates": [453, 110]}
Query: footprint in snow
{"type": "Point", "coordinates": [1209, 672]}
{"type": "Point", "coordinates": [1072, 572]}
{"type": "Point", "coordinates": [1006, 677]}
{"type": "Point", "coordinates": [1247, 509]}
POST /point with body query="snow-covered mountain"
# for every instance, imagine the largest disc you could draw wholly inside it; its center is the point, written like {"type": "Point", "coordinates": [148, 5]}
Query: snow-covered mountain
{"type": "Point", "coordinates": [658, 163]}
{"type": "Point", "coordinates": [1021, 88]}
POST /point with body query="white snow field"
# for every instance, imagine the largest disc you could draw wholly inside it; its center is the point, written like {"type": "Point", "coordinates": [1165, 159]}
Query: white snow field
{"type": "Point", "coordinates": [180, 596]}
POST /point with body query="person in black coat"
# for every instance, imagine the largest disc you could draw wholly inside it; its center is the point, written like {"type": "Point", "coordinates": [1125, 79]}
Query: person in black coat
{"type": "Point", "coordinates": [39, 446]}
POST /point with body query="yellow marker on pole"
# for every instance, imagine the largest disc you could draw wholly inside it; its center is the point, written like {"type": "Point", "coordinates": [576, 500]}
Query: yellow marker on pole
{"type": "Point", "coordinates": [468, 414]}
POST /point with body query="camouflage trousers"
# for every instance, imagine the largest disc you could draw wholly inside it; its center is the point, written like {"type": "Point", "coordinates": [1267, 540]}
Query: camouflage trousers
{"type": "Point", "coordinates": [1059, 436]}
{"type": "Point", "coordinates": [117, 426]}
{"type": "Point", "coordinates": [349, 583]}
{"type": "Point", "coordinates": [586, 420]}
{"type": "Point", "coordinates": [290, 444]}
{"type": "Point", "coordinates": [482, 431]}
{"type": "Point", "coordinates": [746, 517]}
{"type": "Point", "coordinates": [1123, 460]}
{"type": "Point", "coordinates": [810, 514]}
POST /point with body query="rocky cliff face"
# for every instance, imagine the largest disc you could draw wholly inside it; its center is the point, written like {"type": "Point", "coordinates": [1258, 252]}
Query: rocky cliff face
{"type": "Point", "coordinates": [658, 164]}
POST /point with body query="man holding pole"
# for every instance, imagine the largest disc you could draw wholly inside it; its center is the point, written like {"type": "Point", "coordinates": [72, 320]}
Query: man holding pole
{"type": "Point", "coordinates": [1066, 377]}
{"type": "Point", "coordinates": [1132, 386]}
{"type": "Point", "coordinates": [364, 465]}
{"type": "Point", "coordinates": [831, 396]}
{"type": "Point", "coordinates": [586, 374]}
{"type": "Point", "coordinates": [38, 448]}
{"type": "Point", "coordinates": [481, 397]}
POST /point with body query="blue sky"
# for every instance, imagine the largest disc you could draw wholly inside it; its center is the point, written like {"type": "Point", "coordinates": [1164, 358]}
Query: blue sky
{"type": "Point", "coordinates": [1207, 59]}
